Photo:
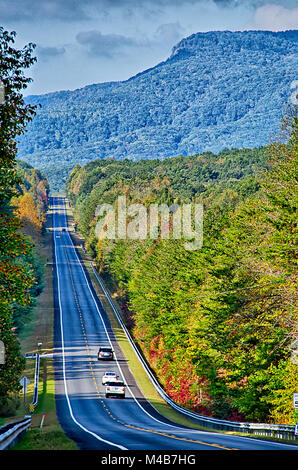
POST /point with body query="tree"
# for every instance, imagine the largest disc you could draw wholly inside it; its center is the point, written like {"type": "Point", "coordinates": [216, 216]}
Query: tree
{"type": "Point", "coordinates": [215, 324]}
{"type": "Point", "coordinates": [28, 215]}
{"type": "Point", "coordinates": [15, 279]}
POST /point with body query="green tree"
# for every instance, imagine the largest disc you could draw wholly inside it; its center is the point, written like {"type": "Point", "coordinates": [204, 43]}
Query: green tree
{"type": "Point", "coordinates": [215, 324]}
{"type": "Point", "coordinates": [15, 279]}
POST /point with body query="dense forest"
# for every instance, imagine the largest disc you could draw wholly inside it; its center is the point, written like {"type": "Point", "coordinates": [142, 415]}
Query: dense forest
{"type": "Point", "coordinates": [215, 324]}
{"type": "Point", "coordinates": [217, 89]}
{"type": "Point", "coordinates": [23, 201]}
{"type": "Point", "coordinates": [30, 205]}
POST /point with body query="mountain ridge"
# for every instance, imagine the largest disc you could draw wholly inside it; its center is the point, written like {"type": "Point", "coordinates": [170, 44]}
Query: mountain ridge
{"type": "Point", "coordinates": [219, 89]}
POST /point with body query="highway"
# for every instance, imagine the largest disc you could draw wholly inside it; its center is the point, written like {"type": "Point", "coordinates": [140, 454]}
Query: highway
{"type": "Point", "coordinates": [91, 420]}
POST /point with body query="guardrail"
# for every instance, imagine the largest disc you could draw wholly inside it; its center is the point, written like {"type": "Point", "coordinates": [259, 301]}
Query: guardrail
{"type": "Point", "coordinates": [10, 434]}
{"type": "Point", "coordinates": [264, 429]}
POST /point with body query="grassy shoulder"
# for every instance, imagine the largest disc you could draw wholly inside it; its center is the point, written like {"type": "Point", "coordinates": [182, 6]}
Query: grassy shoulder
{"type": "Point", "coordinates": [40, 329]}
{"type": "Point", "coordinates": [139, 373]}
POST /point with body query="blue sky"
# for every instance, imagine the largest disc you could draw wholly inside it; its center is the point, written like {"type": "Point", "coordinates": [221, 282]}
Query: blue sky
{"type": "Point", "coordinates": [91, 41]}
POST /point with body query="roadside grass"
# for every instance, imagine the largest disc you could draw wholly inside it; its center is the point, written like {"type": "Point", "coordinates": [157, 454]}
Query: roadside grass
{"type": "Point", "coordinates": [50, 436]}
{"type": "Point", "coordinates": [135, 366]}
{"type": "Point", "coordinates": [138, 371]}
{"type": "Point", "coordinates": [40, 329]}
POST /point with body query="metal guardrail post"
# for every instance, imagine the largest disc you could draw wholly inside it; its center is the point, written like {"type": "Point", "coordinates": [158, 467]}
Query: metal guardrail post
{"type": "Point", "coordinates": [11, 433]}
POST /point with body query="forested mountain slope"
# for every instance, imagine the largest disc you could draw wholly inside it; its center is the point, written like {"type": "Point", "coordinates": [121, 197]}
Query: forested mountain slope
{"type": "Point", "coordinates": [216, 90]}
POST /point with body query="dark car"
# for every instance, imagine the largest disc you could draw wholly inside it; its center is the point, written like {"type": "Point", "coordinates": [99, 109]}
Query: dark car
{"type": "Point", "coordinates": [105, 353]}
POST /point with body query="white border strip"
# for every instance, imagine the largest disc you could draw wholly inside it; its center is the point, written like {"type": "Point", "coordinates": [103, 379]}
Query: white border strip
{"type": "Point", "coordinates": [63, 361]}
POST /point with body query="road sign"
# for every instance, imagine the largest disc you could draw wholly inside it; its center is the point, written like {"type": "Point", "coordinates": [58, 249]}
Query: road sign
{"type": "Point", "coordinates": [295, 400]}
{"type": "Point", "coordinates": [296, 429]}
{"type": "Point", "coordinates": [24, 382]}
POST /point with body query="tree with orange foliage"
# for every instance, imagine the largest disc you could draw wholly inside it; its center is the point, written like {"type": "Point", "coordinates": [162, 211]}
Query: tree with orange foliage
{"type": "Point", "coordinates": [28, 215]}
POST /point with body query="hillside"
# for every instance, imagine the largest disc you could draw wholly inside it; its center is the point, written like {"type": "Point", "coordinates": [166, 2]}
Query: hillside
{"type": "Point", "coordinates": [181, 178]}
{"type": "Point", "coordinates": [215, 324]}
{"type": "Point", "coordinates": [21, 274]}
{"type": "Point", "coordinates": [30, 205]}
{"type": "Point", "coordinates": [216, 90]}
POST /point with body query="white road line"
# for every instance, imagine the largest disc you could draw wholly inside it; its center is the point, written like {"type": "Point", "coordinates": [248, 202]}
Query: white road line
{"type": "Point", "coordinates": [176, 427]}
{"type": "Point", "coordinates": [146, 412]}
{"type": "Point", "coordinates": [63, 361]}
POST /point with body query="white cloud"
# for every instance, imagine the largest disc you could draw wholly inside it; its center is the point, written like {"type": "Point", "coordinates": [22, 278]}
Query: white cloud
{"type": "Point", "coordinates": [105, 45]}
{"type": "Point", "coordinates": [275, 18]}
{"type": "Point", "coordinates": [46, 53]}
{"type": "Point", "coordinates": [169, 33]}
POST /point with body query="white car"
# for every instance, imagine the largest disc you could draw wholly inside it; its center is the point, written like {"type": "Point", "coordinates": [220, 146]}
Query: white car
{"type": "Point", "coordinates": [117, 387]}
{"type": "Point", "coordinates": [109, 377]}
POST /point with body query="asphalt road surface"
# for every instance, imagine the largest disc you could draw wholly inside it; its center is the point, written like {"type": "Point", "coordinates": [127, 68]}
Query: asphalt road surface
{"type": "Point", "coordinates": [91, 420]}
